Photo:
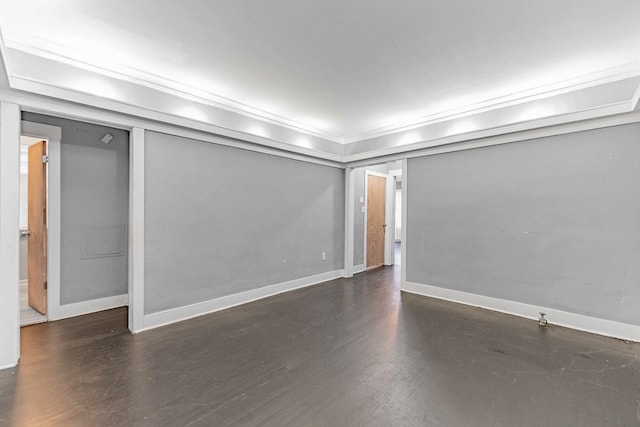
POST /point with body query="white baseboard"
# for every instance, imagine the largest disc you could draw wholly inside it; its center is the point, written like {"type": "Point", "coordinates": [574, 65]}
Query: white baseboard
{"type": "Point", "coordinates": [178, 314]}
{"type": "Point", "coordinates": [86, 307]}
{"type": "Point", "coordinates": [358, 268]}
{"type": "Point", "coordinates": [12, 365]}
{"type": "Point", "coordinates": [580, 322]}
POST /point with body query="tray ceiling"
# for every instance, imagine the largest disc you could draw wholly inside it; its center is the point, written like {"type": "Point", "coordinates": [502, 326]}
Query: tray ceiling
{"type": "Point", "coordinates": [343, 72]}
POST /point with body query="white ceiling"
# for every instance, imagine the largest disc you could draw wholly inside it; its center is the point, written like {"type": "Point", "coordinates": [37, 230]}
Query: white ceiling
{"type": "Point", "coordinates": [346, 70]}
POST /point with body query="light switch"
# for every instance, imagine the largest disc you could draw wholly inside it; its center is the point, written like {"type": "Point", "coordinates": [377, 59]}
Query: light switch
{"type": "Point", "coordinates": [362, 209]}
{"type": "Point", "coordinates": [361, 199]}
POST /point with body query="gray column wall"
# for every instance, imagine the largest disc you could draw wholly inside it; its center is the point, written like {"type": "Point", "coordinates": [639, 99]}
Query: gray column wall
{"type": "Point", "coordinates": [94, 206]}
{"type": "Point", "coordinates": [553, 222]}
{"type": "Point", "coordinates": [221, 220]}
{"type": "Point", "coordinates": [358, 216]}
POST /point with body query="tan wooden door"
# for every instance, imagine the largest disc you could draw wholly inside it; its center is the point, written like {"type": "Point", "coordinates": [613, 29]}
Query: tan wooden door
{"type": "Point", "coordinates": [37, 216]}
{"type": "Point", "coordinates": [376, 195]}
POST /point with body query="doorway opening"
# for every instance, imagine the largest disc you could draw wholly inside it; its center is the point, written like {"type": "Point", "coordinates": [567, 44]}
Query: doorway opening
{"type": "Point", "coordinates": [33, 230]}
{"type": "Point", "coordinates": [397, 231]}
{"type": "Point", "coordinates": [77, 217]}
{"type": "Point", "coordinates": [377, 215]}
{"type": "Point", "coordinates": [86, 250]}
{"type": "Point", "coordinates": [375, 219]}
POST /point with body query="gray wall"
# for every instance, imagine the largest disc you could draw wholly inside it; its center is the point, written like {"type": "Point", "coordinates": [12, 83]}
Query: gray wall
{"type": "Point", "coordinates": [220, 220]}
{"type": "Point", "coordinates": [553, 222]}
{"type": "Point", "coordinates": [94, 210]}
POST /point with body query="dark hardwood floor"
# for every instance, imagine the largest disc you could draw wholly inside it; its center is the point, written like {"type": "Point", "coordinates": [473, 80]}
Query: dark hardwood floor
{"type": "Point", "coordinates": [345, 353]}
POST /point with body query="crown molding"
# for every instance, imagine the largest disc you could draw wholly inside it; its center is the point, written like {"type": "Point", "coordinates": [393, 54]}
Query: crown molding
{"type": "Point", "coordinates": [129, 118]}
{"type": "Point", "coordinates": [635, 99]}
{"type": "Point", "coordinates": [55, 80]}
{"type": "Point", "coordinates": [39, 47]}
{"type": "Point", "coordinates": [606, 93]}
{"type": "Point", "coordinates": [156, 82]}
{"type": "Point", "coordinates": [503, 135]}
{"type": "Point", "coordinates": [601, 77]}
{"type": "Point", "coordinates": [5, 76]}
{"type": "Point", "coordinates": [498, 136]}
{"type": "Point", "coordinates": [593, 102]}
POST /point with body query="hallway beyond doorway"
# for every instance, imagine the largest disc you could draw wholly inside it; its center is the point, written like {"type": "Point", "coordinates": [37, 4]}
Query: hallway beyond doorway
{"type": "Point", "coordinates": [28, 316]}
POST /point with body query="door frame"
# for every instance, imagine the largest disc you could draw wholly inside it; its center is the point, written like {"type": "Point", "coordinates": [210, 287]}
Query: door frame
{"type": "Point", "coordinates": [53, 135]}
{"type": "Point", "coordinates": [9, 236]}
{"type": "Point", "coordinates": [10, 131]}
{"type": "Point", "coordinates": [389, 198]}
{"type": "Point", "coordinates": [390, 215]}
{"type": "Point", "coordinates": [56, 310]}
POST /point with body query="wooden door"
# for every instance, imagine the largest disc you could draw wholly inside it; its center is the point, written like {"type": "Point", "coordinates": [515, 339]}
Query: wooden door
{"type": "Point", "coordinates": [376, 195]}
{"type": "Point", "coordinates": [37, 216]}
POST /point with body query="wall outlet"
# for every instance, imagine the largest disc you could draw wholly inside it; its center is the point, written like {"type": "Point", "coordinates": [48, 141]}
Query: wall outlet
{"type": "Point", "coordinates": [324, 256]}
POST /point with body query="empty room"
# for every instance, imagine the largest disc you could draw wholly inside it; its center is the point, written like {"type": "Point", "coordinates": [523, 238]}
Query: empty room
{"type": "Point", "coordinates": [234, 213]}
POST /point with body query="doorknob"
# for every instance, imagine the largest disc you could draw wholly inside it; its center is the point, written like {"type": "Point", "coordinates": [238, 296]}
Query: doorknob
{"type": "Point", "coordinates": [25, 233]}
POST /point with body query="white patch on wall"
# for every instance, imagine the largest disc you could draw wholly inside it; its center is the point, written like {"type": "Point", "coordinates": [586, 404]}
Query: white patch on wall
{"type": "Point", "coordinates": [103, 241]}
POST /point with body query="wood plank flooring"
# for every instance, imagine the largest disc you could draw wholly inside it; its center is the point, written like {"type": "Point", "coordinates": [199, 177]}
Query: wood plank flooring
{"type": "Point", "coordinates": [353, 352]}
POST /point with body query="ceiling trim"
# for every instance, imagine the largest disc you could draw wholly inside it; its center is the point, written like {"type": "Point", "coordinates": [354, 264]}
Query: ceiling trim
{"type": "Point", "coordinates": [635, 99]}
{"type": "Point", "coordinates": [504, 135]}
{"type": "Point", "coordinates": [585, 104]}
{"type": "Point", "coordinates": [509, 129]}
{"type": "Point", "coordinates": [193, 129]}
{"type": "Point", "coordinates": [173, 87]}
{"type": "Point", "coordinates": [609, 75]}
{"type": "Point", "coordinates": [51, 78]}
{"type": "Point", "coordinates": [69, 110]}
{"type": "Point", "coordinates": [454, 144]}
{"type": "Point", "coordinates": [65, 94]}
{"type": "Point", "coordinates": [125, 73]}
{"type": "Point", "coordinates": [606, 93]}
{"type": "Point", "coordinates": [5, 76]}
